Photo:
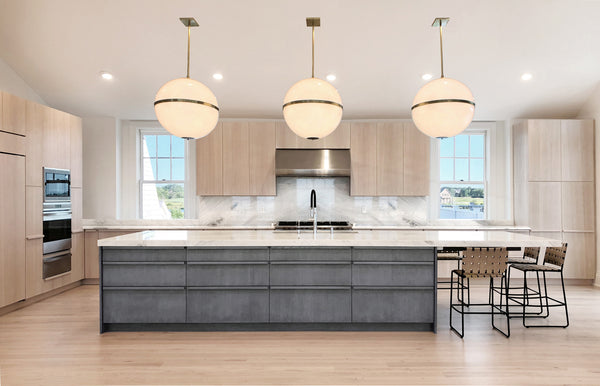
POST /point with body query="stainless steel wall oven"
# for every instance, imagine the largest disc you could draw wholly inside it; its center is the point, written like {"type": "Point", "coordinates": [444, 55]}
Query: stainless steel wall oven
{"type": "Point", "coordinates": [57, 222]}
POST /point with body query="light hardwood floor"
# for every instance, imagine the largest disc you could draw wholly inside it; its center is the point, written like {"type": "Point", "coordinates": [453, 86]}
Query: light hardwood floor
{"type": "Point", "coordinates": [56, 342]}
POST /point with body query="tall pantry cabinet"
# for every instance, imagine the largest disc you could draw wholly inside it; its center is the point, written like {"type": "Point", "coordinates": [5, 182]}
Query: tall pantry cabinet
{"type": "Point", "coordinates": [33, 136]}
{"type": "Point", "coordinates": [554, 186]}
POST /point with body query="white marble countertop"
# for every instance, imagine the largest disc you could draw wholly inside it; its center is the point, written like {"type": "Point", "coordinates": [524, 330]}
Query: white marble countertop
{"type": "Point", "coordinates": [384, 238]}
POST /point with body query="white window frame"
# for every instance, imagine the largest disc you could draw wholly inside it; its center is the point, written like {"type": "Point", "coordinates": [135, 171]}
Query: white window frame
{"type": "Point", "coordinates": [436, 183]}
{"type": "Point", "coordinates": [187, 201]}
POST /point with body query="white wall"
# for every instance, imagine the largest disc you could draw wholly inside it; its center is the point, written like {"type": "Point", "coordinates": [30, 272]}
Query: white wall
{"type": "Point", "coordinates": [101, 168]}
{"type": "Point", "coordinates": [12, 83]}
{"type": "Point", "coordinates": [591, 109]}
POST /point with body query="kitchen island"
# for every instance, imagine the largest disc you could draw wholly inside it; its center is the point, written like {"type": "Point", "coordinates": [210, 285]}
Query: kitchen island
{"type": "Point", "coordinates": [266, 280]}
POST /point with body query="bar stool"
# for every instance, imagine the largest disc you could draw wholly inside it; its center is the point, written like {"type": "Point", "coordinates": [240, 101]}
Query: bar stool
{"type": "Point", "coordinates": [479, 263]}
{"type": "Point", "coordinates": [451, 254]}
{"type": "Point", "coordinates": [554, 261]}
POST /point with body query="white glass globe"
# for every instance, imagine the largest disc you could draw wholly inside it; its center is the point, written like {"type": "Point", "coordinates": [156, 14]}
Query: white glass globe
{"type": "Point", "coordinates": [443, 119]}
{"type": "Point", "coordinates": [192, 114]}
{"type": "Point", "coordinates": [317, 111]}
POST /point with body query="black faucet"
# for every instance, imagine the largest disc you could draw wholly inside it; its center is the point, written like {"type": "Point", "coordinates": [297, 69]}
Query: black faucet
{"type": "Point", "coordinates": [313, 211]}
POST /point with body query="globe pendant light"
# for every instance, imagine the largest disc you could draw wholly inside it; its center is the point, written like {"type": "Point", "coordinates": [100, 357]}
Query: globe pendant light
{"type": "Point", "coordinates": [312, 108]}
{"type": "Point", "coordinates": [443, 107]}
{"type": "Point", "coordinates": [185, 107]}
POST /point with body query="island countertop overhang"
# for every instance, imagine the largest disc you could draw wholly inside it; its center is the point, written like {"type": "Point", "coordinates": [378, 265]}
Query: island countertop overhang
{"type": "Point", "coordinates": [362, 238]}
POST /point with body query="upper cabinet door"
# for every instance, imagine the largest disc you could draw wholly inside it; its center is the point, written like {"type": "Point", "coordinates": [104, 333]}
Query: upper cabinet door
{"type": "Point", "coordinates": [416, 161]}
{"type": "Point", "coordinates": [38, 118]}
{"type": "Point", "coordinates": [261, 143]}
{"type": "Point", "coordinates": [390, 159]}
{"type": "Point", "coordinates": [76, 151]}
{"type": "Point", "coordinates": [577, 150]}
{"type": "Point", "coordinates": [57, 141]}
{"type": "Point", "coordinates": [340, 138]}
{"type": "Point", "coordinates": [236, 173]}
{"type": "Point", "coordinates": [14, 114]}
{"type": "Point", "coordinates": [363, 155]}
{"type": "Point", "coordinates": [209, 163]}
{"type": "Point", "coordinates": [544, 150]}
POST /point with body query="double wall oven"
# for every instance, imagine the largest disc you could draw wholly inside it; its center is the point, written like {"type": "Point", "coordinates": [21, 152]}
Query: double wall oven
{"type": "Point", "coordinates": [57, 222]}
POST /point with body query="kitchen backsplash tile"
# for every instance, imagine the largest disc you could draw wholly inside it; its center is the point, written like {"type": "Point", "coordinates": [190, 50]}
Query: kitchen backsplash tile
{"type": "Point", "coordinates": [293, 202]}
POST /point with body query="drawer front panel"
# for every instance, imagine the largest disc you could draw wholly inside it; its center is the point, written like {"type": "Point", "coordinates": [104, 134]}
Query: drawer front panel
{"type": "Point", "coordinates": [392, 305]}
{"type": "Point", "coordinates": [142, 254]}
{"type": "Point", "coordinates": [153, 274]}
{"type": "Point", "coordinates": [310, 305]}
{"type": "Point", "coordinates": [310, 254]}
{"type": "Point", "coordinates": [227, 305]}
{"type": "Point", "coordinates": [234, 274]}
{"type": "Point", "coordinates": [382, 274]}
{"type": "Point", "coordinates": [245, 254]}
{"type": "Point", "coordinates": [310, 274]}
{"type": "Point", "coordinates": [392, 254]}
{"type": "Point", "coordinates": [143, 305]}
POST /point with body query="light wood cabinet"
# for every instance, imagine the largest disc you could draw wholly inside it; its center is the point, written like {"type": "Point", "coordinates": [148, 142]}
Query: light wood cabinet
{"type": "Point", "coordinates": [363, 156]}
{"type": "Point", "coordinates": [38, 119]}
{"type": "Point", "coordinates": [287, 139]}
{"type": "Point", "coordinates": [261, 142]}
{"type": "Point", "coordinates": [92, 260]}
{"type": "Point", "coordinates": [14, 114]}
{"type": "Point", "coordinates": [76, 147]}
{"type": "Point", "coordinates": [236, 157]}
{"type": "Point", "coordinates": [12, 143]}
{"type": "Point", "coordinates": [34, 258]}
{"type": "Point", "coordinates": [390, 159]}
{"type": "Point", "coordinates": [580, 262]}
{"type": "Point", "coordinates": [544, 150]}
{"type": "Point", "coordinates": [416, 161]}
{"type": "Point", "coordinates": [12, 228]}
{"type": "Point", "coordinates": [577, 150]}
{"type": "Point", "coordinates": [34, 201]}
{"type": "Point", "coordinates": [77, 257]}
{"type": "Point", "coordinates": [76, 210]}
{"type": "Point", "coordinates": [578, 209]}
{"type": "Point", "coordinates": [209, 163]}
{"type": "Point", "coordinates": [57, 141]}
{"type": "Point", "coordinates": [544, 206]}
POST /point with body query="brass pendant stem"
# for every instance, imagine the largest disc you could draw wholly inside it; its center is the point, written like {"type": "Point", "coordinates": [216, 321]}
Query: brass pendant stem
{"type": "Point", "coordinates": [188, 53]}
{"type": "Point", "coordinates": [441, 51]}
{"type": "Point", "coordinates": [313, 51]}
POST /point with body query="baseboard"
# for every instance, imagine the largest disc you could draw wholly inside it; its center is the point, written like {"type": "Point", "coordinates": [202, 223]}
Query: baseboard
{"type": "Point", "coordinates": [90, 281]}
{"type": "Point", "coordinates": [27, 302]}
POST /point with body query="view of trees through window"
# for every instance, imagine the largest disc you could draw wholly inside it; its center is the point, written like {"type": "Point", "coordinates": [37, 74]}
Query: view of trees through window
{"type": "Point", "coordinates": [462, 177]}
{"type": "Point", "coordinates": [163, 176]}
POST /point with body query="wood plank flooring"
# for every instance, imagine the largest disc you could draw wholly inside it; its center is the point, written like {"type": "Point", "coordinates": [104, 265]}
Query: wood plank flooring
{"type": "Point", "coordinates": [56, 342]}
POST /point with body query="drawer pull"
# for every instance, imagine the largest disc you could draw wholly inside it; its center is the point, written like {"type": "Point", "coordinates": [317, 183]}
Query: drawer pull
{"type": "Point", "coordinates": [310, 287]}
{"type": "Point", "coordinates": [392, 262]}
{"type": "Point", "coordinates": [228, 288]}
{"type": "Point", "coordinates": [143, 288]}
{"type": "Point", "coordinates": [228, 262]}
{"type": "Point", "coordinates": [370, 287]}
{"type": "Point", "coordinates": [310, 262]}
{"type": "Point", "coordinates": [143, 262]}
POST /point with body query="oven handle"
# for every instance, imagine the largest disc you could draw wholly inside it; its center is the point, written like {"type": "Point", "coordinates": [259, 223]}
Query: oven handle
{"type": "Point", "coordinates": [57, 216]}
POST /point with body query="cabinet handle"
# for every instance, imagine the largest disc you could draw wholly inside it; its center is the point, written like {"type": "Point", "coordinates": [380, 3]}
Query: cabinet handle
{"type": "Point", "coordinates": [310, 287]}
{"type": "Point", "coordinates": [143, 263]}
{"type": "Point", "coordinates": [371, 287]}
{"type": "Point", "coordinates": [310, 263]}
{"type": "Point", "coordinates": [143, 288]}
{"type": "Point", "coordinates": [392, 262]}
{"type": "Point", "coordinates": [228, 262]}
{"type": "Point", "coordinates": [228, 288]}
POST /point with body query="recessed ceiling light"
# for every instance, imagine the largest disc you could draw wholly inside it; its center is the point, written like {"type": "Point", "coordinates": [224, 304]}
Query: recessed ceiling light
{"type": "Point", "coordinates": [331, 77]}
{"type": "Point", "coordinates": [427, 76]}
{"type": "Point", "coordinates": [218, 76]}
{"type": "Point", "coordinates": [526, 76]}
{"type": "Point", "coordinates": [106, 75]}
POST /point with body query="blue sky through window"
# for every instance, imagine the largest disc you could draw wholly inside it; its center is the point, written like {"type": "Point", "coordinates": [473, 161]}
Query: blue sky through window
{"type": "Point", "coordinates": [165, 154]}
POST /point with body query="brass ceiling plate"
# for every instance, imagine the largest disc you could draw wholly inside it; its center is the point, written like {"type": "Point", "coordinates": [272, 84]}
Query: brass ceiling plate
{"type": "Point", "coordinates": [440, 21]}
{"type": "Point", "coordinates": [189, 22]}
{"type": "Point", "coordinates": [313, 21]}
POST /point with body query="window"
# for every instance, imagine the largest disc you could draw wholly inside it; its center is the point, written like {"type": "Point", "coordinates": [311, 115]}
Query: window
{"type": "Point", "coordinates": [463, 176]}
{"type": "Point", "coordinates": [162, 176]}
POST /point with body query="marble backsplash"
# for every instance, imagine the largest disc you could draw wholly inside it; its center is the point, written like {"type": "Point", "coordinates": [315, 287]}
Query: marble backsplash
{"type": "Point", "coordinates": [293, 203]}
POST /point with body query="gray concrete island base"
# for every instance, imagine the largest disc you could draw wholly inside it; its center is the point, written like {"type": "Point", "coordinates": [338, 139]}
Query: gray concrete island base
{"type": "Point", "coordinates": [267, 288]}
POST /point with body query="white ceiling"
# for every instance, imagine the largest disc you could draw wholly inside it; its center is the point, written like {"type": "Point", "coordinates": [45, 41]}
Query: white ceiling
{"type": "Point", "coordinates": [377, 49]}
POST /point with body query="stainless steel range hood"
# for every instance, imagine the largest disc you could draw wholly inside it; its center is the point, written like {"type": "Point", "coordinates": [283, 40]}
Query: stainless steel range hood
{"type": "Point", "coordinates": [312, 162]}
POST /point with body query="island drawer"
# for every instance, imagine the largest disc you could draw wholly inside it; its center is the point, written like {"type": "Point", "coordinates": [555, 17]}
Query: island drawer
{"type": "Point", "coordinates": [389, 305]}
{"type": "Point", "coordinates": [228, 305]}
{"type": "Point", "coordinates": [310, 304]}
{"type": "Point", "coordinates": [242, 273]}
{"type": "Point", "coordinates": [143, 305]}
{"type": "Point", "coordinates": [228, 254]}
{"type": "Point", "coordinates": [149, 274]}
{"type": "Point", "coordinates": [393, 254]}
{"type": "Point", "coordinates": [393, 273]}
{"type": "Point", "coordinates": [143, 254]}
{"type": "Point", "coordinates": [298, 273]}
{"type": "Point", "coordinates": [310, 254]}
